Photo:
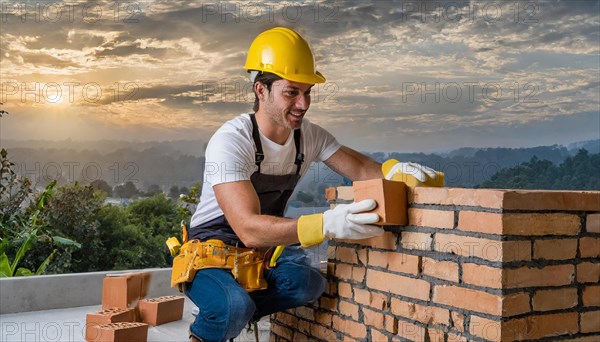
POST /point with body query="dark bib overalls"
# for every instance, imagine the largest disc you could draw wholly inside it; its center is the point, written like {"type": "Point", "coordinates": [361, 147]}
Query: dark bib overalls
{"type": "Point", "coordinates": [273, 192]}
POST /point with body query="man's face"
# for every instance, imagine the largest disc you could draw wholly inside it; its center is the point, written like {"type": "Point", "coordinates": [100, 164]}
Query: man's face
{"type": "Point", "coordinates": [287, 102]}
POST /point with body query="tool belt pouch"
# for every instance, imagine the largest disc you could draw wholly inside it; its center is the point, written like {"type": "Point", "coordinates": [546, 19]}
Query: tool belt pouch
{"type": "Point", "coordinates": [246, 265]}
{"type": "Point", "coordinates": [248, 271]}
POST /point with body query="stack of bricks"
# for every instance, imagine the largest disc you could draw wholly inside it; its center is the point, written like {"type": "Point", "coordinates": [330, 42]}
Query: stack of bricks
{"type": "Point", "coordinates": [125, 314]}
{"type": "Point", "coordinates": [471, 265]}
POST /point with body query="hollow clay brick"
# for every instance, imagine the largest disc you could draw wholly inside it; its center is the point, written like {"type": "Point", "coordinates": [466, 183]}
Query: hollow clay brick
{"type": "Point", "coordinates": [390, 197]}
{"type": "Point", "coordinates": [111, 315]}
{"type": "Point", "coordinates": [124, 290]}
{"type": "Point", "coordinates": [121, 332]}
{"type": "Point", "coordinates": [157, 311]}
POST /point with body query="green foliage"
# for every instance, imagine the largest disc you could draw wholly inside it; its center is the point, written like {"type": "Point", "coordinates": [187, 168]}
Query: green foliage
{"type": "Point", "coordinates": [127, 190]}
{"type": "Point", "coordinates": [579, 172]}
{"type": "Point", "coordinates": [188, 200]}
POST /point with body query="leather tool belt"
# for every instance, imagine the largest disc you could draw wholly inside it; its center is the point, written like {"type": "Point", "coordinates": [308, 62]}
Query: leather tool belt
{"type": "Point", "coordinates": [245, 264]}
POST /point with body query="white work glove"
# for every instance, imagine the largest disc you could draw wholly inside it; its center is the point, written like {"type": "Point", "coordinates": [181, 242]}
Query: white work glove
{"type": "Point", "coordinates": [420, 172]}
{"type": "Point", "coordinates": [345, 221]}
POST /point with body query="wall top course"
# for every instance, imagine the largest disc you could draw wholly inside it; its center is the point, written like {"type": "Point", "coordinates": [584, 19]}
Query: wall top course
{"type": "Point", "coordinates": [507, 199]}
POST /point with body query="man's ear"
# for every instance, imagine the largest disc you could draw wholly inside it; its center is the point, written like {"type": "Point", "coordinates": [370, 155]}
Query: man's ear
{"type": "Point", "coordinates": [260, 90]}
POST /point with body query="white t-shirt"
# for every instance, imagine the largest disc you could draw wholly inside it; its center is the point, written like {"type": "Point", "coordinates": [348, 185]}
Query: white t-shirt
{"type": "Point", "coordinates": [230, 158]}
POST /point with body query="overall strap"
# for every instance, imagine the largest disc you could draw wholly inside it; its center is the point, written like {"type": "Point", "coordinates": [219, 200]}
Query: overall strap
{"type": "Point", "coordinates": [299, 155]}
{"type": "Point", "coordinates": [259, 156]}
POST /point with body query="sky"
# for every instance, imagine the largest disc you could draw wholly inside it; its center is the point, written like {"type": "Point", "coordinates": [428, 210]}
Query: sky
{"type": "Point", "coordinates": [401, 76]}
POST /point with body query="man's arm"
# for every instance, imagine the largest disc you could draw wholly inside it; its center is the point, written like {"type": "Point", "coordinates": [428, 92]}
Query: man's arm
{"type": "Point", "coordinates": [241, 207]}
{"type": "Point", "coordinates": [354, 165]}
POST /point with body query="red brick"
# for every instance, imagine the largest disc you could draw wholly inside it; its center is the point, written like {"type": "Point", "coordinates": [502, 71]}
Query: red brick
{"type": "Point", "coordinates": [435, 335]}
{"type": "Point", "coordinates": [302, 327]}
{"type": "Point", "coordinates": [507, 199]}
{"type": "Point", "coordinates": [372, 299]}
{"type": "Point", "coordinates": [287, 319]}
{"type": "Point", "coordinates": [590, 322]}
{"type": "Point", "coordinates": [477, 300]}
{"type": "Point", "coordinates": [555, 249]}
{"type": "Point", "coordinates": [547, 300]}
{"type": "Point", "coordinates": [446, 270]}
{"type": "Point", "coordinates": [385, 241]}
{"type": "Point", "coordinates": [305, 312]}
{"type": "Point", "coordinates": [404, 263]}
{"type": "Point", "coordinates": [330, 194]}
{"type": "Point", "coordinates": [111, 315]}
{"type": "Point", "coordinates": [591, 295]}
{"type": "Point", "coordinates": [345, 290]}
{"type": "Point", "coordinates": [396, 262]}
{"type": "Point", "coordinates": [541, 224]}
{"type": "Point", "coordinates": [539, 326]}
{"type": "Point", "coordinates": [431, 218]}
{"type": "Point", "coordinates": [330, 268]}
{"type": "Point", "coordinates": [552, 200]}
{"type": "Point", "coordinates": [322, 333]}
{"type": "Point", "coordinates": [457, 196]}
{"type": "Point", "coordinates": [378, 336]}
{"type": "Point", "coordinates": [416, 240]}
{"type": "Point", "coordinates": [161, 310]}
{"type": "Point", "coordinates": [343, 271]}
{"type": "Point", "coordinates": [492, 250]}
{"type": "Point", "coordinates": [349, 309]}
{"type": "Point", "coordinates": [328, 303]}
{"type": "Point", "coordinates": [391, 324]}
{"type": "Point", "coordinates": [373, 318]}
{"type": "Point", "coordinates": [354, 329]}
{"type": "Point", "coordinates": [481, 275]}
{"type": "Point", "coordinates": [487, 329]}
{"type": "Point", "coordinates": [421, 313]}
{"type": "Point", "coordinates": [346, 254]}
{"type": "Point", "coordinates": [593, 223]}
{"type": "Point", "coordinates": [298, 336]}
{"type": "Point", "coordinates": [324, 318]}
{"type": "Point", "coordinates": [411, 331]}
{"type": "Point", "coordinates": [555, 275]}
{"type": "Point", "coordinates": [458, 321]}
{"type": "Point", "coordinates": [515, 304]}
{"type": "Point", "coordinates": [362, 256]}
{"type": "Point", "coordinates": [358, 274]}
{"type": "Point", "coordinates": [390, 197]}
{"type": "Point", "coordinates": [282, 331]}
{"type": "Point", "coordinates": [409, 287]}
{"type": "Point", "coordinates": [588, 272]}
{"type": "Point", "coordinates": [481, 222]}
{"type": "Point", "coordinates": [378, 259]}
{"type": "Point", "coordinates": [345, 193]}
{"type": "Point", "coordinates": [589, 247]}
{"type": "Point", "coordinates": [121, 331]}
{"type": "Point", "coordinates": [121, 290]}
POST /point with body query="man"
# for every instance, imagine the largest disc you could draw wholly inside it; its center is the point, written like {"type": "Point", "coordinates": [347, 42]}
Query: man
{"type": "Point", "coordinates": [253, 163]}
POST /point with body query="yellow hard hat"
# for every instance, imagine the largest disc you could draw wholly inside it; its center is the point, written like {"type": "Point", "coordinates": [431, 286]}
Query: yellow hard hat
{"type": "Point", "coordinates": [283, 52]}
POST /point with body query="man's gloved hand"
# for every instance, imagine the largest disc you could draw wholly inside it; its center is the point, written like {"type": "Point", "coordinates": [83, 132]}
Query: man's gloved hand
{"type": "Point", "coordinates": [412, 174]}
{"type": "Point", "coordinates": [345, 221]}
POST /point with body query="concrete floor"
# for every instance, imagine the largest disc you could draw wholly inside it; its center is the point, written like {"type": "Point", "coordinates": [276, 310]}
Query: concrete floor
{"type": "Point", "coordinates": [69, 325]}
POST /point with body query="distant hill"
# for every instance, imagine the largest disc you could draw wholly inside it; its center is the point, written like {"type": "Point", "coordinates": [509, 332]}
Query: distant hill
{"type": "Point", "coordinates": [579, 172]}
{"type": "Point", "coordinates": [181, 163]}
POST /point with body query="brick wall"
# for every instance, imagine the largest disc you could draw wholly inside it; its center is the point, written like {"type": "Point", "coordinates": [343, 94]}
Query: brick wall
{"type": "Point", "coordinates": [473, 264]}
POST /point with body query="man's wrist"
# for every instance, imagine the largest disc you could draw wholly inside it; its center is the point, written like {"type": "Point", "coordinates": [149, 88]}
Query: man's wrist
{"type": "Point", "coordinates": [310, 230]}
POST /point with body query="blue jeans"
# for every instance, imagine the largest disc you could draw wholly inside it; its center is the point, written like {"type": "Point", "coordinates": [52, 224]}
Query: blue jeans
{"type": "Point", "coordinates": [226, 308]}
